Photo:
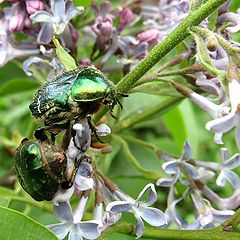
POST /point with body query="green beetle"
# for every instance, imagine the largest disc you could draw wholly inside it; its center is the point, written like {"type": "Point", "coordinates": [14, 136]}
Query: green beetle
{"type": "Point", "coordinates": [73, 94]}
{"type": "Point", "coordinates": [41, 169]}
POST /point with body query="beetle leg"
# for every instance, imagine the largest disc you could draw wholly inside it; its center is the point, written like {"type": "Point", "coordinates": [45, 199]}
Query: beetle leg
{"type": "Point", "coordinates": [93, 127]}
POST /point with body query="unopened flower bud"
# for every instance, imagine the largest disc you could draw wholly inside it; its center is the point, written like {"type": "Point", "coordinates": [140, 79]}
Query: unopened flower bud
{"type": "Point", "coordinates": [125, 18]}
{"type": "Point", "coordinates": [17, 21]}
{"type": "Point", "coordinates": [34, 6]}
{"type": "Point", "coordinates": [212, 44]}
{"type": "Point", "coordinates": [150, 36]}
{"type": "Point", "coordinates": [85, 62]}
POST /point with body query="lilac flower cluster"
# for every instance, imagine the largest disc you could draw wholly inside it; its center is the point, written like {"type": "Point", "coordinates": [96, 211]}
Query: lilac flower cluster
{"type": "Point", "coordinates": [110, 201]}
{"type": "Point", "coordinates": [193, 174]}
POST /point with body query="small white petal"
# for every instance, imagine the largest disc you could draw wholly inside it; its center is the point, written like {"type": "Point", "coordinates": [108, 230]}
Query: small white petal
{"type": "Point", "coordinates": [171, 167]}
{"type": "Point", "coordinates": [64, 212]}
{"type": "Point", "coordinates": [139, 226]}
{"type": "Point", "coordinates": [187, 151]}
{"type": "Point", "coordinates": [191, 170]}
{"type": "Point", "coordinates": [83, 183]}
{"type": "Point", "coordinates": [42, 16]}
{"type": "Point", "coordinates": [103, 130]}
{"type": "Point", "coordinates": [119, 206]}
{"type": "Point", "coordinates": [165, 182]}
{"type": "Point", "coordinates": [233, 162]}
{"type": "Point", "coordinates": [232, 177]}
{"type": "Point", "coordinates": [153, 216]}
{"type": "Point", "coordinates": [152, 196]}
{"type": "Point", "coordinates": [223, 124]}
{"type": "Point", "coordinates": [221, 181]}
{"type": "Point", "coordinates": [89, 229]}
{"type": "Point", "coordinates": [234, 89]}
{"type": "Point", "coordinates": [60, 230]}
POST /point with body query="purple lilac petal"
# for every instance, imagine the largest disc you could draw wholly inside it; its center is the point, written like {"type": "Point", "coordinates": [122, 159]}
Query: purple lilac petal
{"type": "Point", "coordinates": [42, 16]}
{"type": "Point", "coordinates": [104, 8]}
{"type": "Point", "coordinates": [46, 34]}
{"type": "Point", "coordinates": [187, 152]}
{"type": "Point", "coordinates": [119, 206]}
{"type": "Point", "coordinates": [89, 229]}
{"type": "Point", "coordinates": [153, 216]}
{"type": "Point", "coordinates": [139, 226]}
{"type": "Point", "coordinates": [64, 212]}
{"type": "Point", "coordinates": [171, 167]}
{"type": "Point", "coordinates": [152, 196]}
{"type": "Point", "coordinates": [60, 230]}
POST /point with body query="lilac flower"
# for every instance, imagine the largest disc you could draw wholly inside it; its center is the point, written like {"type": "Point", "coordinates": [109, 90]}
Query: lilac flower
{"type": "Point", "coordinates": [175, 166]}
{"type": "Point", "coordinates": [57, 21]}
{"type": "Point", "coordinates": [103, 26]}
{"type": "Point", "coordinates": [208, 217]}
{"type": "Point", "coordinates": [225, 123]}
{"type": "Point", "coordinates": [140, 209]}
{"type": "Point", "coordinates": [226, 173]}
{"type": "Point", "coordinates": [10, 50]}
{"type": "Point", "coordinates": [71, 222]}
{"type": "Point", "coordinates": [83, 180]}
{"type": "Point", "coordinates": [234, 20]}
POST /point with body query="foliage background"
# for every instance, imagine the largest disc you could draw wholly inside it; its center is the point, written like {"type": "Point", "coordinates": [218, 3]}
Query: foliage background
{"type": "Point", "coordinates": [167, 130]}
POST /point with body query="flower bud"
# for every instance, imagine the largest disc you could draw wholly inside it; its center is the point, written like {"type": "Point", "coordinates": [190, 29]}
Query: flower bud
{"type": "Point", "coordinates": [150, 36]}
{"type": "Point", "coordinates": [34, 6]}
{"type": "Point", "coordinates": [17, 21]}
{"type": "Point", "coordinates": [212, 44]}
{"type": "Point", "coordinates": [125, 18]}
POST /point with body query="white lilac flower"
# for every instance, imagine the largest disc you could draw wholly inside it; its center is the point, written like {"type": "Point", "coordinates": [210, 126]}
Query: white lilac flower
{"type": "Point", "coordinates": [57, 21]}
{"type": "Point", "coordinates": [226, 166]}
{"type": "Point", "coordinates": [83, 180]}
{"type": "Point", "coordinates": [207, 216]}
{"type": "Point", "coordinates": [226, 123]}
{"type": "Point", "coordinates": [233, 18]}
{"type": "Point", "coordinates": [72, 224]}
{"type": "Point", "coordinates": [139, 208]}
{"type": "Point", "coordinates": [176, 166]}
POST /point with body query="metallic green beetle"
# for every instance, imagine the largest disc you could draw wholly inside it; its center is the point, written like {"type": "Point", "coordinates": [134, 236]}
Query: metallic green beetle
{"type": "Point", "coordinates": [41, 169]}
{"type": "Point", "coordinates": [72, 94]}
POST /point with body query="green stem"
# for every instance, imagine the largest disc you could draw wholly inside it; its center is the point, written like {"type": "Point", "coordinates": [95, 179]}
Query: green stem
{"type": "Point", "coordinates": [172, 234]}
{"type": "Point", "coordinates": [168, 44]}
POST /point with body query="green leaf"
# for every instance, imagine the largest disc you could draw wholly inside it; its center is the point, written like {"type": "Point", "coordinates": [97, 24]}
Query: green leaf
{"type": "Point", "coordinates": [204, 57]}
{"type": "Point", "coordinates": [65, 59]}
{"type": "Point", "coordinates": [17, 85]}
{"type": "Point", "coordinates": [157, 88]}
{"type": "Point", "coordinates": [174, 122]}
{"type": "Point", "coordinates": [15, 225]}
{"type": "Point", "coordinates": [84, 3]}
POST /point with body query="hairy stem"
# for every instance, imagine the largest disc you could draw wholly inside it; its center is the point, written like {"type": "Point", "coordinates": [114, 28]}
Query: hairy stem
{"type": "Point", "coordinates": [169, 43]}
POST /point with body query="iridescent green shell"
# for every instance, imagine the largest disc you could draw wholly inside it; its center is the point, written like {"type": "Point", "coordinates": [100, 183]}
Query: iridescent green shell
{"type": "Point", "coordinates": [71, 94]}
{"type": "Point", "coordinates": [40, 168]}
